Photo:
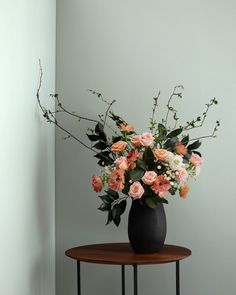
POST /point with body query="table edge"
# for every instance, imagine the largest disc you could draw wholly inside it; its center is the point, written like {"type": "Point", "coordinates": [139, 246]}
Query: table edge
{"type": "Point", "coordinates": [124, 262]}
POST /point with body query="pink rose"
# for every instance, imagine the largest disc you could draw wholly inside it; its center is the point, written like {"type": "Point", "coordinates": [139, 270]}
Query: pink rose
{"type": "Point", "coordinates": [196, 160]}
{"type": "Point", "coordinates": [119, 146]}
{"type": "Point", "coordinates": [116, 180]}
{"type": "Point", "coordinates": [181, 174]}
{"type": "Point", "coordinates": [126, 127]}
{"type": "Point", "coordinates": [136, 140]}
{"type": "Point", "coordinates": [147, 139]}
{"type": "Point", "coordinates": [122, 163]}
{"type": "Point", "coordinates": [136, 190]}
{"type": "Point", "coordinates": [149, 177]}
{"type": "Point", "coordinates": [161, 154]}
{"type": "Point", "coordinates": [97, 183]}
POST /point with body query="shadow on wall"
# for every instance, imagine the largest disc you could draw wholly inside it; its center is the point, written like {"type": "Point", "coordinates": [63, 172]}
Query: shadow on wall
{"type": "Point", "coordinates": [42, 273]}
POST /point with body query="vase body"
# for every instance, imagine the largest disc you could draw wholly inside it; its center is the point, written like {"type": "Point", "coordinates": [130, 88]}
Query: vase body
{"type": "Point", "coordinates": [146, 227]}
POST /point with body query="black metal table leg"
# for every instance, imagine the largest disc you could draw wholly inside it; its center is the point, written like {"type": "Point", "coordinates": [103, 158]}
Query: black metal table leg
{"type": "Point", "coordinates": [78, 278]}
{"type": "Point", "coordinates": [177, 279]}
{"type": "Point", "coordinates": [123, 279]}
{"type": "Point", "coordinates": [135, 279]}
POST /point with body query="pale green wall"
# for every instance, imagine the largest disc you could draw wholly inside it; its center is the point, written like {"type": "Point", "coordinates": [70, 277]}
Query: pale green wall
{"type": "Point", "coordinates": [27, 226]}
{"type": "Point", "coordinates": [129, 50]}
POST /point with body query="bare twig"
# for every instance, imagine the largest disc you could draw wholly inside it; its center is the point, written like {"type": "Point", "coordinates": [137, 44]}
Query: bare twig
{"type": "Point", "coordinates": [169, 108]}
{"type": "Point", "coordinates": [107, 111]}
{"type": "Point", "coordinates": [213, 134]}
{"type": "Point", "coordinates": [191, 125]}
{"type": "Point", "coordinates": [73, 114]}
{"type": "Point", "coordinates": [152, 121]}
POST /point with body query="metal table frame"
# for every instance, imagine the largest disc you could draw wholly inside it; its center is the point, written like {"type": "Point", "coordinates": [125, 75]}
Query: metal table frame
{"type": "Point", "coordinates": [135, 278]}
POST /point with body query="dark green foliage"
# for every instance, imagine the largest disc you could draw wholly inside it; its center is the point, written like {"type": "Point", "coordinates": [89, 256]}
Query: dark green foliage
{"type": "Point", "coordinates": [101, 145]}
{"type": "Point", "coordinates": [136, 174]}
{"type": "Point", "coordinates": [148, 156]}
{"type": "Point", "coordinates": [99, 130]}
{"type": "Point", "coordinates": [93, 137]}
{"type": "Point", "coordinates": [174, 133]}
{"type": "Point", "coordinates": [194, 145]}
{"type": "Point", "coordinates": [170, 143]}
{"type": "Point", "coordinates": [185, 140]}
{"type": "Point", "coordinates": [114, 211]}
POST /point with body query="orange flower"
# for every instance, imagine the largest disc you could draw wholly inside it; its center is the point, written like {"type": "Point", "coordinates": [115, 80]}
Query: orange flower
{"type": "Point", "coordinates": [161, 154]}
{"type": "Point", "coordinates": [183, 192]}
{"type": "Point", "coordinates": [180, 148]}
{"type": "Point", "coordinates": [126, 127]}
{"type": "Point", "coordinates": [116, 180]}
{"type": "Point", "coordinates": [119, 146]}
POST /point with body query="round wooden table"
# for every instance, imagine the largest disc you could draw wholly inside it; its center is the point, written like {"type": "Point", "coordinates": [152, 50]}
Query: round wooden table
{"type": "Point", "coordinates": [122, 254]}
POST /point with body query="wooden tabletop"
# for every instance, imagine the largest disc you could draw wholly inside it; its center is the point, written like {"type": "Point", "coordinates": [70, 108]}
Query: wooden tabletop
{"type": "Point", "coordinates": [122, 254]}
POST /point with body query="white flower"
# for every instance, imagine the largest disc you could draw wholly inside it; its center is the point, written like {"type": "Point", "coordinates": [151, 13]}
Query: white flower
{"type": "Point", "coordinates": [197, 170]}
{"type": "Point", "coordinates": [175, 162]}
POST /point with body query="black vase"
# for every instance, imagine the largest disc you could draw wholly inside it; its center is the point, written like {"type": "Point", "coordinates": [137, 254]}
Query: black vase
{"type": "Point", "coordinates": [146, 227]}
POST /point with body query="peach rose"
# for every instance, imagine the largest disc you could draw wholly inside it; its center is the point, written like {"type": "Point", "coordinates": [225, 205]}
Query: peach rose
{"type": "Point", "coordinates": [122, 163]}
{"type": "Point", "coordinates": [149, 177]}
{"type": "Point", "coordinates": [136, 140]}
{"type": "Point", "coordinates": [119, 146]}
{"type": "Point", "coordinates": [183, 191]}
{"type": "Point", "coordinates": [181, 174]}
{"type": "Point", "coordinates": [161, 154]}
{"type": "Point", "coordinates": [126, 127]}
{"type": "Point", "coordinates": [147, 139]}
{"type": "Point", "coordinates": [116, 180]}
{"type": "Point", "coordinates": [136, 190]}
{"type": "Point", "coordinates": [180, 148]}
{"type": "Point", "coordinates": [196, 160]}
{"type": "Point", "coordinates": [97, 183]}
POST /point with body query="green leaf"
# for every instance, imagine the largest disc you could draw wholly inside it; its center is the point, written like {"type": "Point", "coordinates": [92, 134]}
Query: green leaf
{"type": "Point", "coordinates": [175, 133]}
{"type": "Point", "coordinates": [100, 131]}
{"type": "Point", "coordinates": [109, 217]}
{"type": "Point", "coordinates": [104, 156]}
{"type": "Point", "coordinates": [99, 128]}
{"type": "Point", "coordinates": [142, 164]}
{"type": "Point", "coordinates": [101, 145]}
{"type": "Point", "coordinates": [194, 145]}
{"type": "Point", "coordinates": [150, 202]}
{"type": "Point", "coordinates": [104, 207]}
{"type": "Point", "coordinates": [170, 143]}
{"type": "Point", "coordinates": [116, 138]}
{"type": "Point", "coordinates": [196, 152]}
{"type": "Point", "coordinates": [136, 174]}
{"type": "Point", "coordinates": [101, 163]}
{"type": "Point", "coordinates": [117, 211]}
{"type": "Point", "coordinates": [162, 130]}
{"type": "Point", "coordinates": [106, 199]}
{"type": "Point", "coordinates": [112, 194]}
{"type": "Point", "coordinates": [185, 140]}
{"type": "Point", "coordinates": [93, 137]}
{"type": "Point", "coordinates": [148, 156]}
{"type": "Point", "coordinates": [161, 200]}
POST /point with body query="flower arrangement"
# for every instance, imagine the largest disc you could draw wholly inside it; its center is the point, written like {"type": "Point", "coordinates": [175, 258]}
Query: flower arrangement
{"type": "Point", "coordinates": [148, 166]}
